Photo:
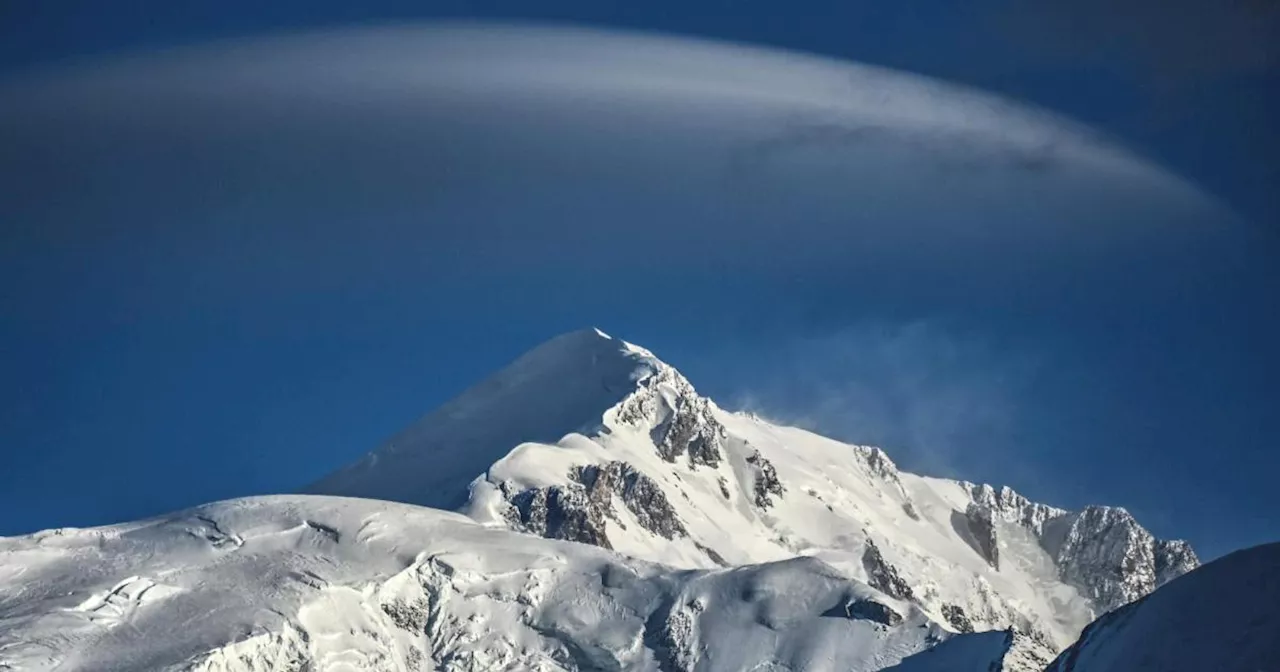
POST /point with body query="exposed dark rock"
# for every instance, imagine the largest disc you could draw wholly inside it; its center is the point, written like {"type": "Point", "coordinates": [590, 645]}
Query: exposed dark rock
{"type": "Point", "coordinates": [724, 487]}
{"type": "Point", "coordinates": [210, 531]}
{"type": "Point", "coordinates": [866, 610]}
{"type": "Point", "coordinates": [415, 660]}
{"type": "Point", "coordinates": [691, 431]}
{"type": "Point", "coordinates": [323, 529]}
{"type": "Point", "coordinates": [982, 529]}
{"type": "Point", "coordinates": [956, 618]}
{"type": "Point", "coordinates": [711, 553]}
{"type": "Point", "coordinates": [878, 463]}
{"type": "Point", "coordinates": [1173, 559]}
{"type": "Point", "coordinates": [910, 510]}
{"type": "Point", "coordinates": [682, 426]}
{"type": "Point", "coordinates": [1101, 551]}
{"type": "Point", "coordinates": [410, 616]}
{"type": "Point", "coordinates": [883, 576]}
{"type": "Point", "coordinates": [562, 512]}
{"type": "Point", "coordinates": [671, 633]}
{"type": "Point", "coordinates": [1032, 647]}
{"type": "Point", "coordinates": [1006, 504]}
{"type": "Point", "coordinates": [1105, 554]}
{"type": "Point", "coordinates": [766, 483]}
{"type": "Point", "coordinates": [577, 511]}
{"type": "Point", "coordinates": [639, 493]}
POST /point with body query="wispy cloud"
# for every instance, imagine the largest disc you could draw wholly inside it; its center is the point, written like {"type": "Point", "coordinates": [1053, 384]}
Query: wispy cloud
{"type": "Point", "coordinates": [941, 401]}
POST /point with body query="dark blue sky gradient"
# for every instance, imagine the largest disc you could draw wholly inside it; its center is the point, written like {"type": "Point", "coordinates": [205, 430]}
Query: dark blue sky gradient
{"type": "Point", "coordinates": [142, 376]}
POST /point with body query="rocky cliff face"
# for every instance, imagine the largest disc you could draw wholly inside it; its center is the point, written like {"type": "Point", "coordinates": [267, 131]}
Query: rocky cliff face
{"type": "Point", "coordinates": [1173, 559]}
{"type": "Point", "coordinates": [765, 484]}
{"type": "Point", "coordinates": [577, 511]}
{"type": "Point", "coordinates": [981, 527]}
{"type": "Point", "coordinates": [1102, 551]}
{"type": "Point", "coordinates": [681, 421]}
{"type": "Point", "coordinates": [883, 576]}
{"type": "Point", "coordinates": [1013, 507]}
{"type": "Point", "coordinates": [1106, 554]}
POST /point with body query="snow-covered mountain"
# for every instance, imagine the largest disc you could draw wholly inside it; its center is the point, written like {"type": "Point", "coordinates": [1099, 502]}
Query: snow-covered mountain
{"type": "Point", "coordinates": [705, 540]}
{"type": "Point", "coordinates": [1222, 616]}
{"type": "Point", "coordinates": [588, 438]}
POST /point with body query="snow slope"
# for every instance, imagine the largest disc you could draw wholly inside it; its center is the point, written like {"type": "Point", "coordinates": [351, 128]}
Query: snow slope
{"type": "Point", "coordinates": [638, 462]}
{"type": "Point", "coordinates": [542, 396]}
{"type": "Point", "coordinates": [1223, 616]}
{"type": "Point", "coordinates": [292, 583]}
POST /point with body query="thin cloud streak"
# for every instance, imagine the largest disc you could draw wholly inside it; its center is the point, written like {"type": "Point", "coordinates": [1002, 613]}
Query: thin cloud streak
{"type": "Point", "coordinates": [943, 403]}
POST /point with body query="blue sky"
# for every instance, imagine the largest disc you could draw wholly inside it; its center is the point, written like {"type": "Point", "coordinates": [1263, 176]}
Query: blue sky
{"type": "Point", "coordinates": [156, 361]}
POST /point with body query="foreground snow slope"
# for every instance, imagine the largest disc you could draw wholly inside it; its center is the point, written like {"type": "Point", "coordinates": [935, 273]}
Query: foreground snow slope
{"type": "Point", "coordinates": [588, 438]}
{"type": "Point", "coordinates": [1222, 616]}
{"type": "Point", "coordinates": [337, 584]}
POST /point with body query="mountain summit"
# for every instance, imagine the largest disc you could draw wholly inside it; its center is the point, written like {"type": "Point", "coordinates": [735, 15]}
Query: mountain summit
{"type": "Point", "coordinates": [562, 386]}
{"type": "Point", "coordinates": [591, 439]}
{"type": "Point", "coordinates": [589, 510]}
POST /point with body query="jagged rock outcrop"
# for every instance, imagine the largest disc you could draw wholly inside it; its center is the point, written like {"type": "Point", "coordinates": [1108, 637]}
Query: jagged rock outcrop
{"type": "Point", "coordinates": [674, 636]}
{"type": "Point", "coordinates": [1027, 652]}
{"type": "Point", "coordinates": [868, 610]}
{"type": "Point", "coordinates": [981, 527]}
{"type": "Point", "coordinates": [956, 618]}
{"type": "Point", "coordinates": [883, 576]}
{"type": "Point", "coordinates": [765, 484]}
{"type": "Point", "coordinates": [1008, 505]}
{"type": "Point", "coordinates": [561, 512]}
{"type": "Point", "coordinates": [1107, 555]}
{"type": "Point", "coordinates": [1173, 559]}
{"type": "Point", "coordinates": [1101, 551]}
{"type": "Point", "coordinates": [682, 421]}
{"type": "Point", "coordinates": [577, 511]}
{"type": "Point", "coordinates": [878, 463]}
{"type": "Point", "coordinates": [865, 609]}
{"type": "Point", "coordinates": [410, 616]}
{"type": "Point", "coordinates": [639, 493]}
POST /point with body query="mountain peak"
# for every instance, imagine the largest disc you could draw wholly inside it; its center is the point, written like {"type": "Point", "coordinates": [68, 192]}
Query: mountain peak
{"type": "Point", "coordinates": [577, 339]}
{"type": "Point", "coordinates": [561, 387]}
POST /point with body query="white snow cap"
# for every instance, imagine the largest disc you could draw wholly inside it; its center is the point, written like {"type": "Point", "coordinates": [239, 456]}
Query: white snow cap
{"type": "Point", "coordinates": [562, 386]}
